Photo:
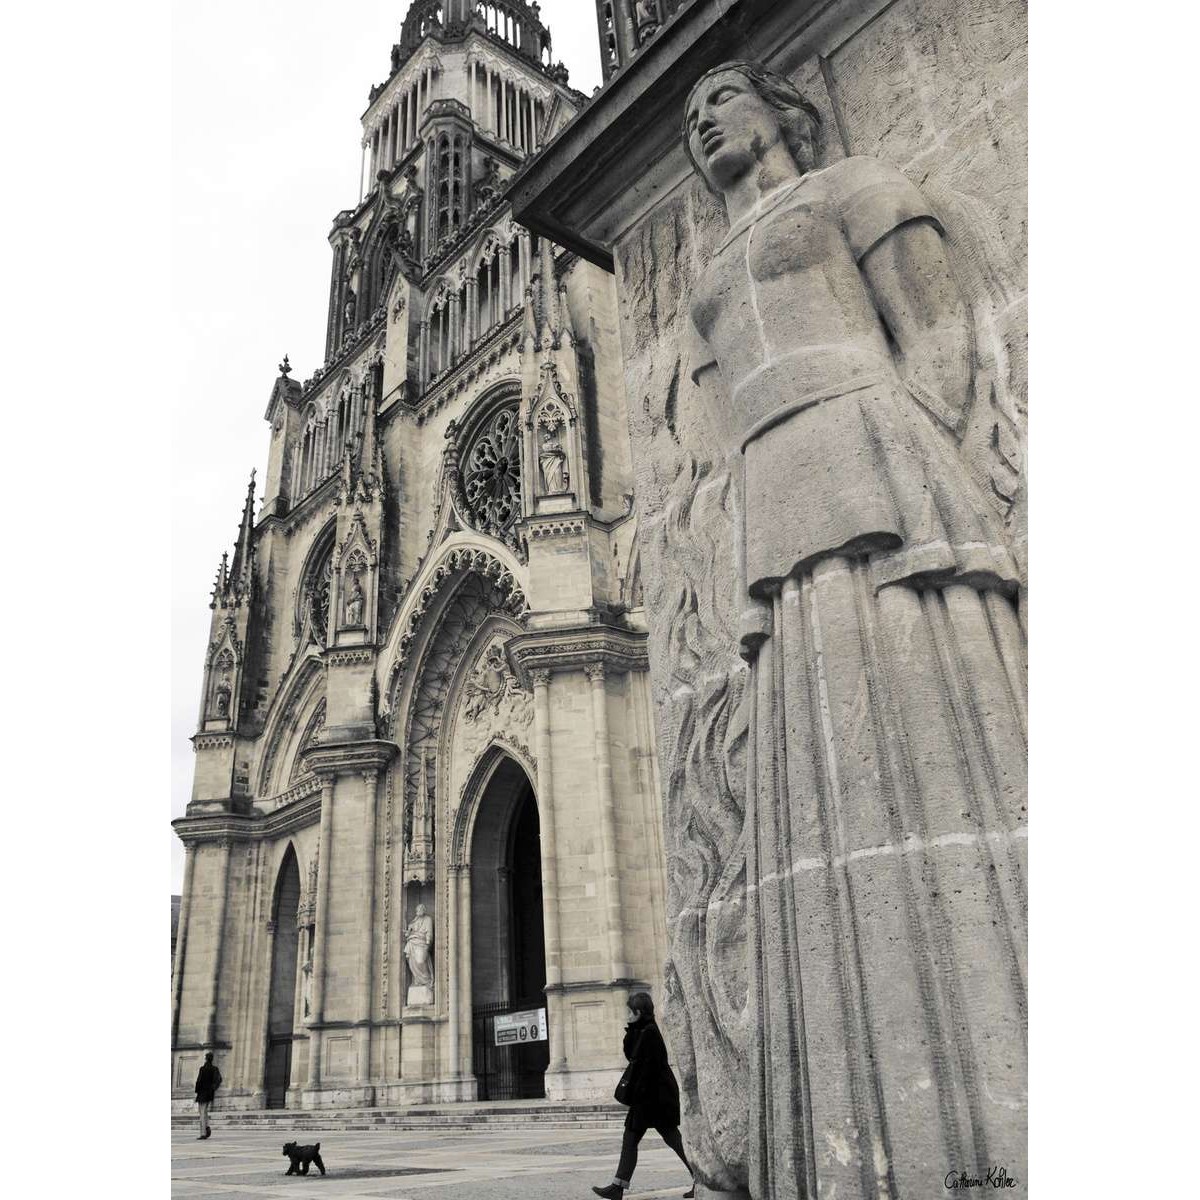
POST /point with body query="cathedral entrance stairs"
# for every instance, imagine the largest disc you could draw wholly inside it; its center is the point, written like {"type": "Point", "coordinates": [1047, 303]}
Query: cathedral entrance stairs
{"type": "Point", "coordinates": [496, 1115]}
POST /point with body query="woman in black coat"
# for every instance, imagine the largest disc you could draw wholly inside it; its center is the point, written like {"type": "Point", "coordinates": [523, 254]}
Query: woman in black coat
{"type": "Point", "coordinates": [653, 1094]}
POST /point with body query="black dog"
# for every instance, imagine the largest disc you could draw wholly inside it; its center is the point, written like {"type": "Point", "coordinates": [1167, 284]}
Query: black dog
{"type": "Point", "coordinates": [301, 1156]}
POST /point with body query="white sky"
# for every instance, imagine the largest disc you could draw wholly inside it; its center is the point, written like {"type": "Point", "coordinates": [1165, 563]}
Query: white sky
{"type": "Point", "coordinates": [266, 101]}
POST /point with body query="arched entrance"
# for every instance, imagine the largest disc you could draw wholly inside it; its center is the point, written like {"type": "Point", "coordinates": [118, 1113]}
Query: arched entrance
{"type": "Point", "coordinates": [281, 1008]}
{"type": "Point", "coordinates": [508, 944]}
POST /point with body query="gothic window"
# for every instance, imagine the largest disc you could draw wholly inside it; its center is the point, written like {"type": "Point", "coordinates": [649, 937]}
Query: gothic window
{"type": "Point", "coordinates": [316, 594]}
{"type": "Point", "coordinates": [492, 474]}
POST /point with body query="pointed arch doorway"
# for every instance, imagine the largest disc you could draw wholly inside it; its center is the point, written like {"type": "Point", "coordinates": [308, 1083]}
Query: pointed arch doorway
{"type": "Point", "coordinates": [281, 1006]}
{"type": "Point", "coordinates": [508, 943]}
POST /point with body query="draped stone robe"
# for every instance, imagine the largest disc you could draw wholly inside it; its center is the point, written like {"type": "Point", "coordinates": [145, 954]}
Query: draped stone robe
{"type": "Point", "coordinates": [885, 811]}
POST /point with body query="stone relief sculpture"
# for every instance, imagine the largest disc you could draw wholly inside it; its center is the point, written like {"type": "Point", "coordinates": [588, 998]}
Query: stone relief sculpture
{"type": "Point", "coordinates": [306, 987]}
{"type": "Point", "coordinates": [354, 602]}
{"type": "Point", "coordinates": [645, 17]}
{"type": "Point", "coordinates": [489, 684]}
{"type": "Point", "coordinates": [881, 728]}
{"type": "Point", "coordinates": [418, 951]}
{"type": "Point", "coordinates": [552, 458]}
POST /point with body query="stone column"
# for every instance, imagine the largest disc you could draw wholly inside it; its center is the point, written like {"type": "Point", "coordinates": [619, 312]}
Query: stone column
{"type": "Point", "coordinates": [366, 942]}
{"type": "Point", "coordinates": [545, 797]}
{"type": "Point", "coordinates": [503, 110]}
{"type": "Point", "coordinates": [324, 865]}
{"type": "Point", "coordinates": [362, 171]}
{"type": "Point", "coordinates": [524, 251]}
{"type": "Point", "coordinates": [505, 282]}
{"type": "Point", "coordinates": [463, 1000]}
{"type": "Point", "coordinates": [224, 848]}
{"type": "Point", "coordinates": [608, 823]}
{"type": "Point", "coordinates": [452, 997]}
{"type": "Point", "coordinates": [503, 904]}
{"type": "Point", "coordinates": [423, 353]}
{"type": "Point", "coordinates": [453, 340]}
{"type": "Point", "coordinates": [185, 909]}
{"type": "Point", "coordinates": [472, 310]}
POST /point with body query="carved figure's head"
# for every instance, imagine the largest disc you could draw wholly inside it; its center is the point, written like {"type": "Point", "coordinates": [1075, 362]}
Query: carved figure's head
{"type": "Point", "coordinates": [736, 112]}
{"type": "Point", "coordinates": [420, 910]}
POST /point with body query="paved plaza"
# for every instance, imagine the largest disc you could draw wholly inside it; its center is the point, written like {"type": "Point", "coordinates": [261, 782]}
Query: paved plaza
{"type": "Point", "coordinates": [243, 1164]}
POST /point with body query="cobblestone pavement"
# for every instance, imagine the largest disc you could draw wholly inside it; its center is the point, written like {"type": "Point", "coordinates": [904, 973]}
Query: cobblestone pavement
{"type": "Point", "coordinates": [237, 1164]}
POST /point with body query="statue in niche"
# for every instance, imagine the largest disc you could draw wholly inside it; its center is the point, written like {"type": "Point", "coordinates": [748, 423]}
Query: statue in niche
{"type": "Point", "coordinates": [645, 17]}
{"type": "Point", "coordinates": [552, 458]}
{"type": "Point", "coordinates": [349, 309]}
{"type": "Point", "coordinates": [833, 350]}
{"type": "Point", "coordinates": [354, 602]}
{"type": "Point", "coordinates": [487, 187]}
{"type": "Point", "coordinates": [224, 691]}
{"type": "Point", "coordinates": [418, 949]}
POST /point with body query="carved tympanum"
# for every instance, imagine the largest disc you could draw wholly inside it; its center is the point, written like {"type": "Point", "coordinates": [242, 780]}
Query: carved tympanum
{"type": "Point", "coordinates": [886, 679]}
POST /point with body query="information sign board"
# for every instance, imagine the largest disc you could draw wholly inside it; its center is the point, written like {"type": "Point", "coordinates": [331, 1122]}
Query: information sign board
{"type": "Point", "coordinates": [514, 1028]}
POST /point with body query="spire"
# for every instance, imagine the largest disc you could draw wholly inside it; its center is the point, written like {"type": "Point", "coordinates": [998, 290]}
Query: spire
{"type": "Point", "coordinates": [221, 583]}
{"type": "Point", "coordinates": [566, 330]}
{"type": "Point", "coordinates": [243, 554]}
{"type": "Point", "coordinates": [547, 285]}
{"type": "Point", "coordinates": [372, 453]}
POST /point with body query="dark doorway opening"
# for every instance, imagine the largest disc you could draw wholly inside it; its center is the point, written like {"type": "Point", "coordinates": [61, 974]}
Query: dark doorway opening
{"type": "Point", "coordinates": [508, 943]}
{"type": "Point", "coordinates": [281, 1007]}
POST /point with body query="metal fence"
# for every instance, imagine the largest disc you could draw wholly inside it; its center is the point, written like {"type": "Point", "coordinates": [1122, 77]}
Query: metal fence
{"type": "Point", "coordinates": [514, 1072]}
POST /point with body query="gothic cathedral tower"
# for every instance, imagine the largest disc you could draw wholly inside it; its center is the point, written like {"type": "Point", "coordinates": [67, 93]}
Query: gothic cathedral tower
{"type": "Point", "coordinates": [425, 794]}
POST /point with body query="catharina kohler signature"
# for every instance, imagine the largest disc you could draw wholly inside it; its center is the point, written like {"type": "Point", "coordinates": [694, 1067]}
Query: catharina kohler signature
{"type": "Point", "coordinates": [996, 1177]}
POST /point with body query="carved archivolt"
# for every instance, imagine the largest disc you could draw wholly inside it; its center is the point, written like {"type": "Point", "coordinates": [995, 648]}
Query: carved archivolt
{"type": "Point", "coordinates": [460, 558]}
{"type": "Point", "coordinates": [310, 737]}
{"type": "Point", "coordinates": [295, 696]}
{"type": "Point", "coordinates": [501, 745]}
{"type": "Point", "coordinates": [475, 599]}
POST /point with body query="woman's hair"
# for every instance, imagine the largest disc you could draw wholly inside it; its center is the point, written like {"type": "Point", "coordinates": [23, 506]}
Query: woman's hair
{"type": "Point", "coordinates": [641, 1004]}
{"type": "Point", "coordinates": [799, 120]}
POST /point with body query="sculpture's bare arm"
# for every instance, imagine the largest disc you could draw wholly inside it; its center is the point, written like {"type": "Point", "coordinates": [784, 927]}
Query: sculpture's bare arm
{"type": "Point", "coordinates": [919, 300]}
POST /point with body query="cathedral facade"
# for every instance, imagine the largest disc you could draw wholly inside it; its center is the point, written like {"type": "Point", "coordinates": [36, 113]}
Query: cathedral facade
{"type": "Point", "coordinates": [426, 797]}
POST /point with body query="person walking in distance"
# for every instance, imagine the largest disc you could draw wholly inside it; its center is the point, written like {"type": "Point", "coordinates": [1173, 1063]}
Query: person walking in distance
{"type": "Point", "coordinates": [649, 1088]}
{"type": "Point", "coordinates": [207, 1083]}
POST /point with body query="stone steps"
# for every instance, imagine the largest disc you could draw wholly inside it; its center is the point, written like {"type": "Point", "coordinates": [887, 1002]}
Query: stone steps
{"type": "Point", "coordinates": [502, 1116]}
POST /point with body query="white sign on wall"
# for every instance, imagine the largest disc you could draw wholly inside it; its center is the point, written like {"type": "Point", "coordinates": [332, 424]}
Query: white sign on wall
{"type": "Point", "coordinates": [514, 1028]}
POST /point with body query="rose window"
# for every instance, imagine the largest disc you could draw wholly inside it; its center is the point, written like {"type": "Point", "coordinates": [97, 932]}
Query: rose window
{"type": "Point", "coordinates": [492, 476]}
{"type": "Point", "coordinates": [317, 591]}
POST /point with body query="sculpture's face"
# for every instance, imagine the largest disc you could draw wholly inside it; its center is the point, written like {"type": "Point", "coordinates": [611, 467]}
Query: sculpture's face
{"type": "Point", "coordinates": [420, 910]}
{"type": "Point", "coordinates": [729, 127]}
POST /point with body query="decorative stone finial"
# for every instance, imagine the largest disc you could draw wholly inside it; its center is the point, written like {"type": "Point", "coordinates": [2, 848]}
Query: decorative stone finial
{"type": "Point", "coordinates": [285, 367]}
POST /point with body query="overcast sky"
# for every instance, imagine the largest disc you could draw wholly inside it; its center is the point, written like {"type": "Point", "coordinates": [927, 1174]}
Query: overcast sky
{"type": "Point", "coordinates": [266, 103]}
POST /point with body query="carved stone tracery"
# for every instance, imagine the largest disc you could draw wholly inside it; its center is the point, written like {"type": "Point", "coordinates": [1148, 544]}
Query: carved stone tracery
{"type": "Point", "coordinates": [492, 475]}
